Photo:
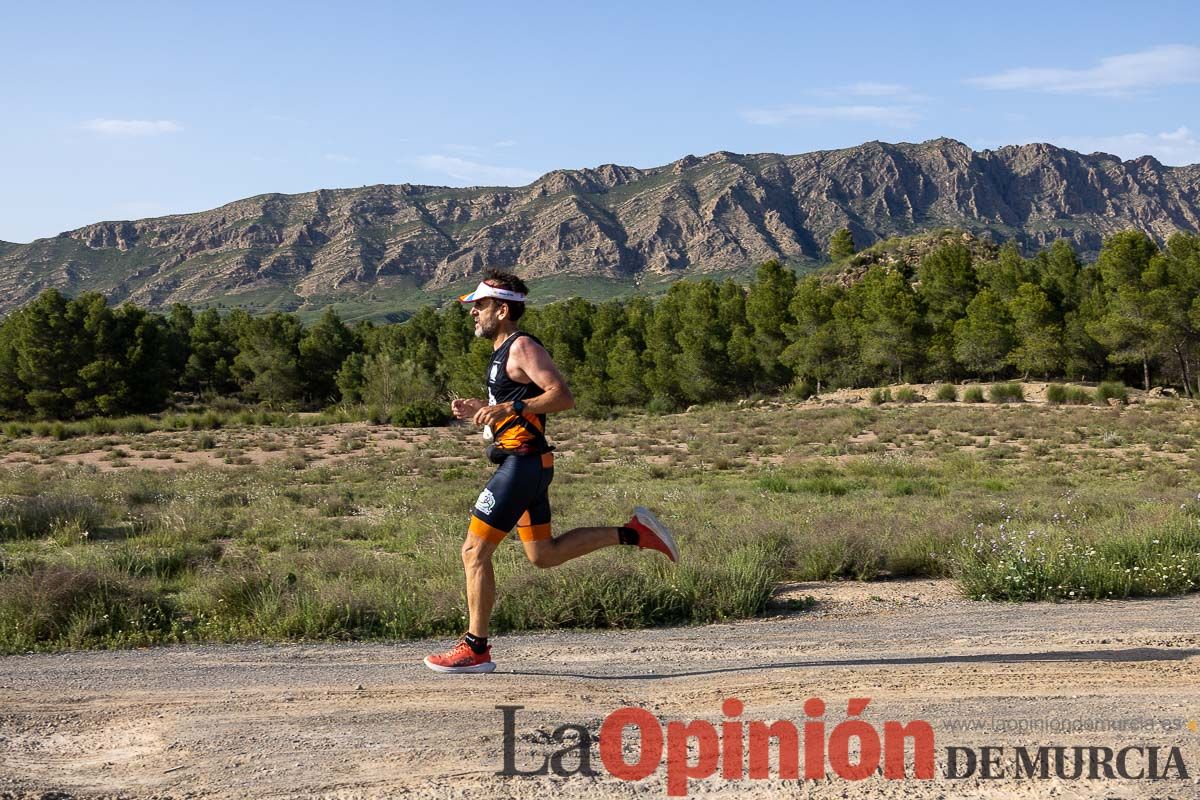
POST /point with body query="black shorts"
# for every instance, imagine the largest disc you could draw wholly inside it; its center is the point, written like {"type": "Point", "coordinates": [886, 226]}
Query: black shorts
{"type": "Point", "coordinates": [517, 495]}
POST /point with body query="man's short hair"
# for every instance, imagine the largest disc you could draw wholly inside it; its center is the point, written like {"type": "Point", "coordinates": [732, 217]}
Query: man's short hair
{"type": "Point", "coordinates": [507, 280]}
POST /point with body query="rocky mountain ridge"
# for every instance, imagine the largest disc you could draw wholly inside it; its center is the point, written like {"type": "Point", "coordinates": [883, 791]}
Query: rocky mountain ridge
{"type": "Point", "coordinates": [707, 214]}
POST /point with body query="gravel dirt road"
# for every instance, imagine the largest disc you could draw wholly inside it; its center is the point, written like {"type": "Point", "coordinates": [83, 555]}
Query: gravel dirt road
{"type": "Point", "coordinates": [368, 720]}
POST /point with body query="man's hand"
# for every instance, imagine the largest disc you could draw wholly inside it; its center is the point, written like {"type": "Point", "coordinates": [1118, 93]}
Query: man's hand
{"type": "Point", "coordinates": [490, 415]}
{"type": "Point", "coordinates": [464, 408]}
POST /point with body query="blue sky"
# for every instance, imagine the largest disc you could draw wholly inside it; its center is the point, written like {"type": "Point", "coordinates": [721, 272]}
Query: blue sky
{"type": "Point", "coordinates": [126, 110]}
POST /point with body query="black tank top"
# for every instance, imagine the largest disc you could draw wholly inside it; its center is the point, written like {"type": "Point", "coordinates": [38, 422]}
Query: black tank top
{"type": "Point", "coordinates": [503, 389]}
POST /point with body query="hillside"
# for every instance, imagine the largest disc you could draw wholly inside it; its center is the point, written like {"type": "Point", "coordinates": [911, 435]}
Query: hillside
{"type": "Point", "coordinates": [600, 231]}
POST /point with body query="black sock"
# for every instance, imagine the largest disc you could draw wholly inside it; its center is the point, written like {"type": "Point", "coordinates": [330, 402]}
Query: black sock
{"type": "Point", "coordinates": [628, 536]}
{"type": "Point", "coordinates": [476, 643]}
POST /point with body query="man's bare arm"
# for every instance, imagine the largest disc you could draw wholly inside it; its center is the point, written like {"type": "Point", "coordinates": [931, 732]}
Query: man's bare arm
{"type": "Point", "coordinates": [529, 361]}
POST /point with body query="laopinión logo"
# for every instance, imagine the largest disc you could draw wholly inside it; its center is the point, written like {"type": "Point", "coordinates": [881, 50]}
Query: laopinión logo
{"type": "Point", "coordinates": [634, 745]}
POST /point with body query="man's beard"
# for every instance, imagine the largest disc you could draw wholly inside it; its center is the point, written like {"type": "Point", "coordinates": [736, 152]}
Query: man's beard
{"type": "Point", "coordinates": [486, 331]}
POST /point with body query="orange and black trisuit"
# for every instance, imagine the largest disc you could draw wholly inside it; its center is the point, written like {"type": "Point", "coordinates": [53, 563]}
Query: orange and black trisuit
{"type": "Point", "coordinates": [518, 493]}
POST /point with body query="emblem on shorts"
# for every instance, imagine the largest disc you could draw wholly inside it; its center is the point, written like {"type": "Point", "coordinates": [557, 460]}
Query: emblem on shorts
{"type": "Point", "coordinates": [486, 501]}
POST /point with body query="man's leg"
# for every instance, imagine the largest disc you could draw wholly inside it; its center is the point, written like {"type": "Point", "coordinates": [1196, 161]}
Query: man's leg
{"type": "Point", "coordinates": [472, 653]}
{"type": "Point", "coordinates": [545, 550]}
{"type": "Point", "coordinates": [477, 550]}
{"type": "Point", "coordinates": [552, 551]}
{"type": "Point", "coordinates": [494, 515]}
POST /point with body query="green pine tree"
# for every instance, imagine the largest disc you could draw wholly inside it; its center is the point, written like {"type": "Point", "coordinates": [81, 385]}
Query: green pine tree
{"type": "Point", "coordinates": [1037, 333]}
{"type": "Point", "coordinates": [841, 245]}
{"type": "Point", "coordinates": [983, 338]}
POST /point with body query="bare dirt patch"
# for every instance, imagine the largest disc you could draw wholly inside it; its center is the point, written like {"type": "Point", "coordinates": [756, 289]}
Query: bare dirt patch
{"type": "Point", "coordinates": [175, 450]}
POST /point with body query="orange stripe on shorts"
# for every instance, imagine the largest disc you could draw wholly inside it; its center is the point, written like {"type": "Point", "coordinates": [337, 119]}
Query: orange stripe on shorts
{"type": "Point", "coordinates": [533, 533]}
{"type": "Point", "coordinates": [484, 531]}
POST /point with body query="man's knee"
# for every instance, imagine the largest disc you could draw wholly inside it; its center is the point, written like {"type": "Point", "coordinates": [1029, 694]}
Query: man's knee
{"type": "Point", "coordinates": [476, 552]}
{"type": "Point", "coordinates": [541, 554]}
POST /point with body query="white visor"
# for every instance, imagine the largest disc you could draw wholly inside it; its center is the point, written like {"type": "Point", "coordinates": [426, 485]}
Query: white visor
{"type": "Point", "coordinates": [487, 290]}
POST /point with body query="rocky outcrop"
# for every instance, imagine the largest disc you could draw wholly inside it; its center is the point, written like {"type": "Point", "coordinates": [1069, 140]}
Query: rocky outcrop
{"type": "Point", "coordinates": [718, 212]}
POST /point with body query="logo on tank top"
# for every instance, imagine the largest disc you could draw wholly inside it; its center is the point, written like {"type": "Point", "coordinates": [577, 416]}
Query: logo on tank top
{"type": "Point", "coordinates": [495, 371]}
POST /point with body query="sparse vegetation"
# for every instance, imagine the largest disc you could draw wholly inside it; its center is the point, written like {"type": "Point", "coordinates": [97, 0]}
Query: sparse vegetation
{"type": "Point", "coordinates": [353, 532]}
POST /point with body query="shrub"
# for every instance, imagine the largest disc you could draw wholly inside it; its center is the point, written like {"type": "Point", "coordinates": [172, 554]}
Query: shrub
{"type": "Point", "coordinates": [1078, 396]}
{"type": "Point", "coordinates": [31, 517]}
{"type": "Point", "coordinates": [661, 404]}
{"type": "Point", "coordinates": [420, 415]}
{"type": "Point", "coordinates": [1006, 393]}
{"type": "Point", "coordinates": [776, 483]}
{"type": "Point", "coordinates": [974, 394]}
{"type": "Point", "coordinates": [77, 607]}
{"type": "Point", "coordinates": [1058, 394]}
{"type": "Point", "coordinates": [802, 389]}
{"type": "Point", "coordinates": [133, 425]}
{"type": "Point", "coordinates": [880, 396]}
{"type": "Point", "coordinates": [1112, 390]}
{"type": "Point", "coordinates": [907, 395]}
{"type": "Point", "coordinates": [947, 393]}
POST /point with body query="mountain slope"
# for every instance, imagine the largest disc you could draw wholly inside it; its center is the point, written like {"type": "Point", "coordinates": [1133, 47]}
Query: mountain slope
{"type": "Point", "coordinates": [397, 245]}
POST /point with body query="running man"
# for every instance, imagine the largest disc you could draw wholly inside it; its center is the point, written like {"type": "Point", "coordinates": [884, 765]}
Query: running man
{"type": "Point", "coordinates": [523, 387]}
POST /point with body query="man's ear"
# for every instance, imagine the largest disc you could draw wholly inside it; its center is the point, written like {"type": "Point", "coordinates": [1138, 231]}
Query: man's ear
{"type": "Point", "coordinates": [502, 311]}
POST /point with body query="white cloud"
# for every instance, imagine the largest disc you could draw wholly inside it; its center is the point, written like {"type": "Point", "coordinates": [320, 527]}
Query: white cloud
{"type": "Point", "coordinates": [476, 174]}
{"type": "Point", "coordinates": [1167, 65]}
{"type": "Point", "coordinates": [1175, 148]}
{"type": "Point", "coordinates": [893, 116]}
{"type": "Point", "coordinates": [132, 127]}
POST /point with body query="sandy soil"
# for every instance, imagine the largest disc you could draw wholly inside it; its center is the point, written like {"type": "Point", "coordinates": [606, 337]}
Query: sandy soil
{"type": "Point", "coordinates": [368, 720]}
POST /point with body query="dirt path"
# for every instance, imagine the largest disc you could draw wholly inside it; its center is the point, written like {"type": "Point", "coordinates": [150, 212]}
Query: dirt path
{"type": "Point", "coordinates": [367, 720]}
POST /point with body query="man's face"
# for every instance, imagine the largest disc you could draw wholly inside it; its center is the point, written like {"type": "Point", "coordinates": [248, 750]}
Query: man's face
{"type": "Point", "coordinates": [486, 313]}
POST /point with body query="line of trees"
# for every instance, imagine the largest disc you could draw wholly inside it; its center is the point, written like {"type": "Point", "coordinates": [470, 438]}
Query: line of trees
{"type": "Point", "coordinates": [1134, 315]}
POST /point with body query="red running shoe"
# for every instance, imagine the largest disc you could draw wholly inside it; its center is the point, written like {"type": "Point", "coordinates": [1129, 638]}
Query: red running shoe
{"type": "Point", "coordinates": [461, 658]}
{"type": "Point", "coordinates": [652, 534]}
